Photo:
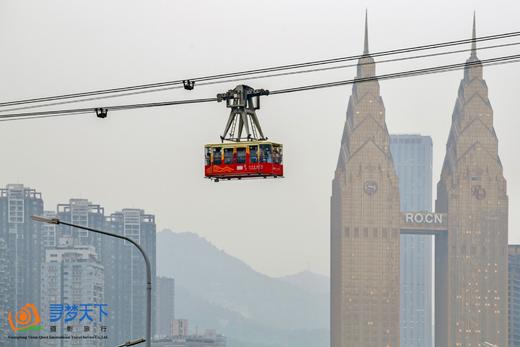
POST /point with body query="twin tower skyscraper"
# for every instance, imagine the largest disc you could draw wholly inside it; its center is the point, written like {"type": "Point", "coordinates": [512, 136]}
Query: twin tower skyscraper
{"type": "Point", "coordinates": [470, 224]}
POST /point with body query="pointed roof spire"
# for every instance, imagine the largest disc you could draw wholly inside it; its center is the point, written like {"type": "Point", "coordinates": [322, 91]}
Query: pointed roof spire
{"type": "Point", "coordinates": [365, 49]}
{"type": "Point", "coordinates": [474, 38]}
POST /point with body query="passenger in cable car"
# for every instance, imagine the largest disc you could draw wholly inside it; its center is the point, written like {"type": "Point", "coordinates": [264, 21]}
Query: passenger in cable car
{"type": "Point", "coordinates": [241, 155]}
{"type": "Point", "coordinates": [228, 155]}
{"type": "Point", "coordinates": [277, 154]}
{"type": "Point", "coordinates": [253, 154]}
{"type": "Point", "coordinates": [208, 156]}
{"type": "Point", "coordinates": [217, 156]}
{"type": "Point", "coordinates": [266, 154]}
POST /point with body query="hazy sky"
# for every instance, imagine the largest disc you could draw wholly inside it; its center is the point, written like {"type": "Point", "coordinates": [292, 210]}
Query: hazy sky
{"type": "Point", "coordinates": [153, 158]}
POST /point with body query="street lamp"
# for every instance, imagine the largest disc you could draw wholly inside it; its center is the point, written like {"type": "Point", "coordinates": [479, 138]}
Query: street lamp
{"type": "Point", "coordinates": [132, 343]}
{"type": "Point", "coordinates": [148, 339]}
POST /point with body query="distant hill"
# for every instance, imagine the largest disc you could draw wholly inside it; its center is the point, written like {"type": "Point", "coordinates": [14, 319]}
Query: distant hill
{"type": "Point", "coordinates": [216, 290]}
{"type": "Point", "coordinates": [310, 282]}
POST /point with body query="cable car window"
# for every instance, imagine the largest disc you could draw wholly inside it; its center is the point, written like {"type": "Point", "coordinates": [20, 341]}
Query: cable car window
{"type": "Point", "coordinates": [228, 155]}
{"type": "Point", "coordinates": [253, 154]}
{"type": "Point", "coordinates": [277, 154]}
{"type": "Point", "coordinates": [208, 156]}
{"type": "Point", "coordinates": [217, 156]}
{"type": "Point", "coordinates": [241, 155]}
{"type": "Point", "coordinates": [266, 155]}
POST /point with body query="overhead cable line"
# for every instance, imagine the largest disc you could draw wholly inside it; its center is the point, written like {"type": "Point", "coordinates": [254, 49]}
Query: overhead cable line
{"type": "Point", "coordinates": [280, 74]}
{"type": "Point", "coordinates": [410, 73]}
{"type": "Point", "coordinates": [436, 69]}
{"type": "Point", "coordinates": [89, 112]}
{"type": "Point", "coordinates": [110, 108]}
{"type": "Point", "coordinates": [262, 70]}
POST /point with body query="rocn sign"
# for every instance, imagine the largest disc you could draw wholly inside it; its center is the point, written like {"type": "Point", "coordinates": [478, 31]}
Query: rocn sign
{"type": "Point", "coordinates": [423, 218]}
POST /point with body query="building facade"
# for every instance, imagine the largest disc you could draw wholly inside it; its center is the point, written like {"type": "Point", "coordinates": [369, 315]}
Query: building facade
{"type": "Point", "coordinates": [180, 327]}
{"type": "Point", "coordinates": [471, 258]}
{"type": "Point", "coordinates": [165, 305]}
{"type": "Point", "coordinates": [365, 220]}
{"type": "Point", "coordinates": [49, 232]}
{"type": "Point", "coordinates": [83, 212]}
{"type": "Point", "coordinates": [470, 224]}
{"type": "Point", "coordinates": [22, 239]}
{"type": "Point", "coordinates": [4, 291]}
{"type": "Point", "coordinates": [128, 273]}
{"type": "Point", "coordinates": [72, 280]}
{"type": "Point", "coordinates": [412, 155]}
{"type": "Point", "coordinates": [192, 341]}
{"type": "Point", "coordinates": [181, 338]}
{"type": "Point", "coordinates": [514, 296]}
{"type": "Point", "coordinates": [124, 268]}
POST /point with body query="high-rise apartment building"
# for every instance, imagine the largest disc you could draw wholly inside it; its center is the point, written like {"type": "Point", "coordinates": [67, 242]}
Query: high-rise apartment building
{"type": "Point", "coordinates": [165, 305]}
{"type": "Point", "coordinates": [72, 283]}
{"type": "Point", "coordinates": [128, 273]}
{"type": "Point", "coordinates": [49, 232]}
{"type": "Point", "coordinates": [412, 155]}
{"type": "Point", "coordinates": [83, 212]}
{"type": "Point", "coordinates": [180, 327]}
{"type": "Point", "coordinates": [210, 338]}
{"type": "Point", "coordinates": [4, 292]}
{"type": "Point", "coordinates": [22, 239]}
{"type": "Point", "coordinates": [87, 268]}
{"type": "Point", "coordinates": [124, 269]}
{"type": "Point", "coordinates": [514, 296]}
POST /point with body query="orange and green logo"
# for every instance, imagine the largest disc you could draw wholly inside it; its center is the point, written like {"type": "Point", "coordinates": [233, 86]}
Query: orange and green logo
{"type": "Point", "coordinates": [27, 318]}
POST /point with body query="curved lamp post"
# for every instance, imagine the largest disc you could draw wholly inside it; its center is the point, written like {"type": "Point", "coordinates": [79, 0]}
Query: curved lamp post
{"type": "Point", "coordinates": [132, 343]}
{"type": "Point", "coordinates": [148, 338]}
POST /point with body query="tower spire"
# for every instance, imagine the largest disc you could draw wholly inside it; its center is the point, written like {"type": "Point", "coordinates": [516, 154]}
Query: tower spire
{"type": "Point", "coordinates": [365, 49]}
{"type": "Point", "coordinates": [474, 39]}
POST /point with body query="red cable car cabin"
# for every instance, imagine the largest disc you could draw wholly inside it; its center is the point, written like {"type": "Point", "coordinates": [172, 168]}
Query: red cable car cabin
{"type": "Point", "coordinates": [246, 159]}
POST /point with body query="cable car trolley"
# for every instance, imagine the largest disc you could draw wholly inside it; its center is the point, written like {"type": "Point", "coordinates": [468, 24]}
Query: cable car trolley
{"type": "Point", "coordinates": [244, 151]}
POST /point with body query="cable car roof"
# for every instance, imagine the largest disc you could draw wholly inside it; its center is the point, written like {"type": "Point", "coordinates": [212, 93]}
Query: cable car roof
{"type": "Point", "coordinates": [242, 144]}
